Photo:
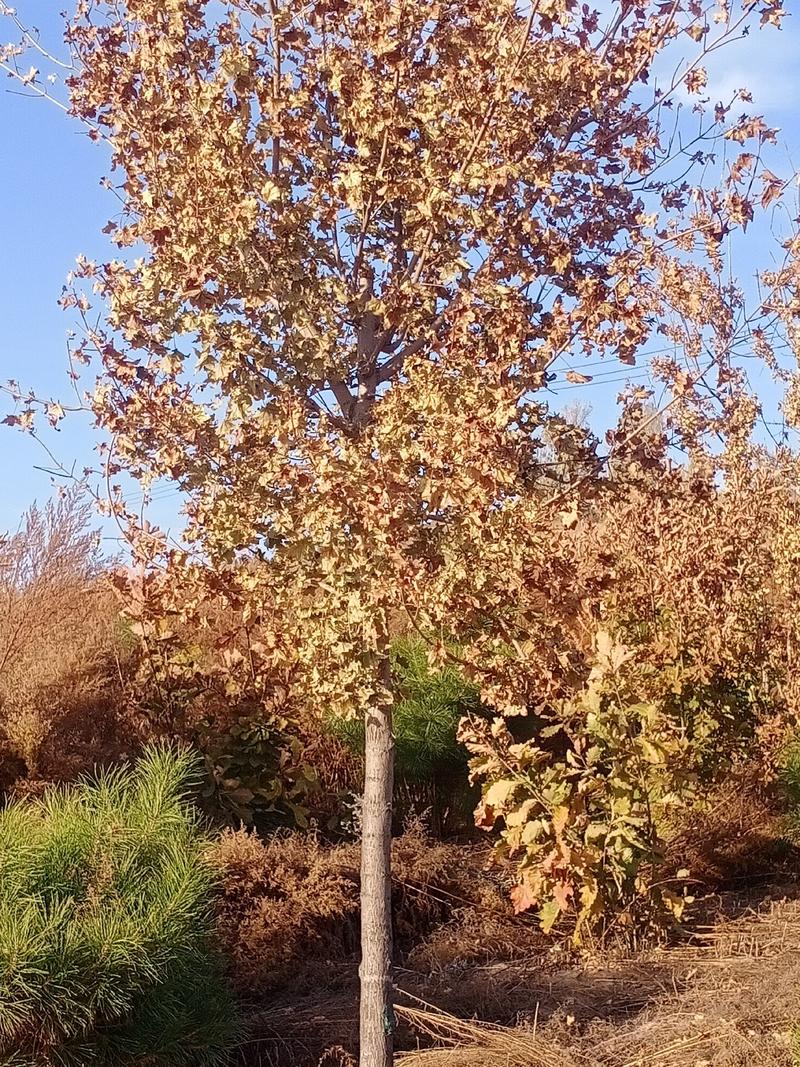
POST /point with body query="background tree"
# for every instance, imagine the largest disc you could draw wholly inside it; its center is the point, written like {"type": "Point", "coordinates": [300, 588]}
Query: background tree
{"type": "Point", "coordinates": [360, 236]}
{"type": "Point", "coordinates": [61, 663]}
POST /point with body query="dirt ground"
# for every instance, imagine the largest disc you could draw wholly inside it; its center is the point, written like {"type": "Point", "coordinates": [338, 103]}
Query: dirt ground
{"type": "Point", "coordinates": [481, 987]}
{"type": "Point", "coordinates": [726, 992]}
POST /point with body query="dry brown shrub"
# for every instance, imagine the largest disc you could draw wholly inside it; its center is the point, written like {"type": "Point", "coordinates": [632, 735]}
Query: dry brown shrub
{"type": "Point", "coordinates": [61, 658]}
{"type": "Point", "coordinates": [736, 838]}
{"type": "Point", "coordinates": [337, 1057]}
{"type": "Point", "coordinates": [283, 903]}
{"type": "Point", "coordinates": [428, 880]}
{"type": "Point", "coordinates": [289, 906]}
{"type": "Point", "coordinates": [482, 927]}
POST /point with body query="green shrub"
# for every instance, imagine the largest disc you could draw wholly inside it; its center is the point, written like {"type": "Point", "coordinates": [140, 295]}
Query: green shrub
{"type": "Point", "coordinates": [789, 777]}
{"type": "Point", "coordinates": [105, 925]}
{"type": "Point", "coordinates": [426, 715]}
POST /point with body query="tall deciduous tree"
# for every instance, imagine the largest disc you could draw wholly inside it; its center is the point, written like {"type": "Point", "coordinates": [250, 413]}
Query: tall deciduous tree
{"type": "Point", "coordinates": [361, 236]}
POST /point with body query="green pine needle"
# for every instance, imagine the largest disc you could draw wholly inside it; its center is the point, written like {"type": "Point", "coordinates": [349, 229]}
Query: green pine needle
{"type": "Point", "coordinates": [106, 954]}
{"type": "Point", "coordinates": [426, 715]}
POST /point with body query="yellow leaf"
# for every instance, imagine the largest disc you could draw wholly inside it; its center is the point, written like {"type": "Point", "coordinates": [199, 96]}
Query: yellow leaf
{"type": "Point", "coordinates": [569, 516]}
{"type": "Point", "coordinates": [498, 793]}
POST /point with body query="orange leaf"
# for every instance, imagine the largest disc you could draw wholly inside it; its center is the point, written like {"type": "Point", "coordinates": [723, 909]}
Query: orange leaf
{"type": "Point", "coordinates": [521, 898]}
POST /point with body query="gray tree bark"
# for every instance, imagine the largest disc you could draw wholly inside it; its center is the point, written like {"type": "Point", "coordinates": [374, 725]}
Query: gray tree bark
{"type": "Point", "coordinates": [376, 1008]}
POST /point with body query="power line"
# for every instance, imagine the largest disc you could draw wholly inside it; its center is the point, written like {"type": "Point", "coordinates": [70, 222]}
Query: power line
{"type": "Point", "coordinates": [636, 376]}
{"type": "Point", "coordinates": [610, 359]}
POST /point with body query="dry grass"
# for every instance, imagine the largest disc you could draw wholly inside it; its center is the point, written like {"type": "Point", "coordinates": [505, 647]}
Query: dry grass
{"type": "Point", "coordinates": [456, 1039]}
{"type": "Point", "coordinates": [726, 995]}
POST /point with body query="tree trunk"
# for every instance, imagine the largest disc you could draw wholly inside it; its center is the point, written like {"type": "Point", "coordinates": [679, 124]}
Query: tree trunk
{"type": "Point", "coordinates": [376, 1011]}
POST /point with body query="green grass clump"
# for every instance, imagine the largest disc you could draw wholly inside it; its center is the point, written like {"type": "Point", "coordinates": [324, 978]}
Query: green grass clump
{"type": "Point", "coordinates": [105, 926]}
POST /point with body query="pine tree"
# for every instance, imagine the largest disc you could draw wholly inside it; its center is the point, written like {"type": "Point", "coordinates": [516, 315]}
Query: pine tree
{"type": "Point", "coordinates": [105, 925]}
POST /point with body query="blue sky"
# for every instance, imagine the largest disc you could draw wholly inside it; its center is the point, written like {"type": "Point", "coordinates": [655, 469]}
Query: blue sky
{"type": "Point", "coordinates": [52, 208]}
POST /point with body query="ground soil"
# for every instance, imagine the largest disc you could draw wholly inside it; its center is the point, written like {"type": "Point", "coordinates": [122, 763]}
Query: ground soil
{"type": "Point", "coordinates": [482, 988]}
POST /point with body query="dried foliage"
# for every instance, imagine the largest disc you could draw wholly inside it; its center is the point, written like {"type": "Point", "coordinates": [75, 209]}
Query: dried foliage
{"type": "Point", "coordinates": [206, 680]}
{"type": "Point", "coordinates": [739, 837]}
{"type": "Point", "coordinates": [321, 223]}
{"type": "Point", "coordinates": [671, 648]}
{"type": "Point", "coordinates": [79, 686]}
{"type": "Point", "coordinates": [283, 904]}
{"type": "Point", "coordinates": [288, 907]}
{"type": "Point", "coordinates": [62, 652]}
